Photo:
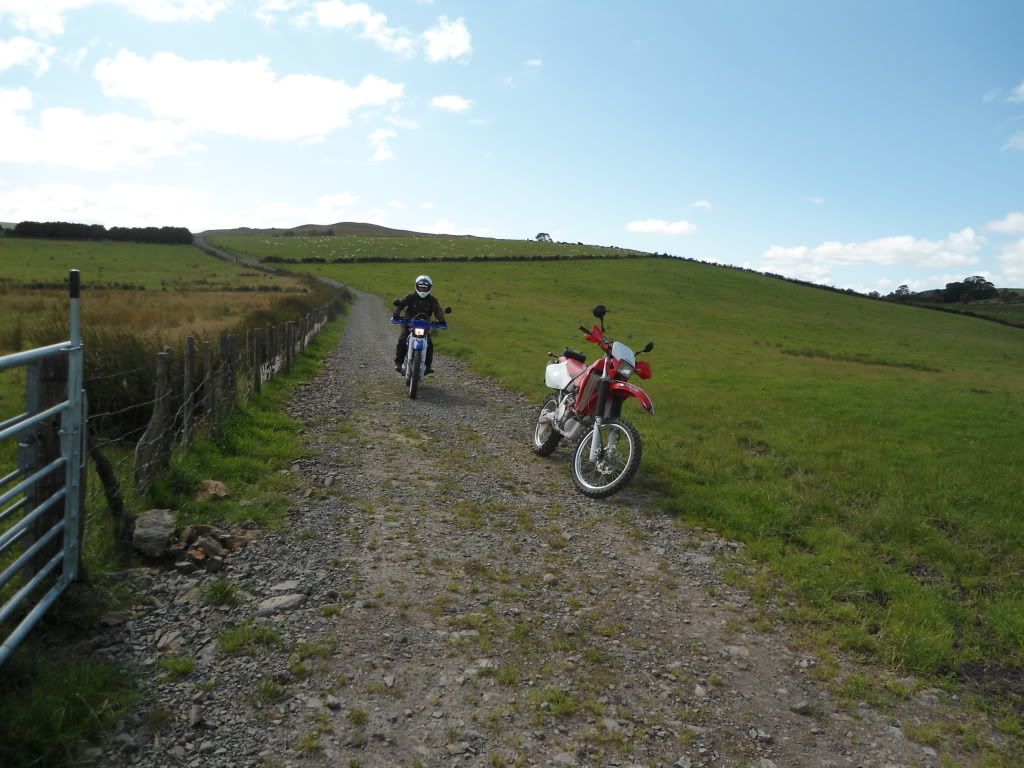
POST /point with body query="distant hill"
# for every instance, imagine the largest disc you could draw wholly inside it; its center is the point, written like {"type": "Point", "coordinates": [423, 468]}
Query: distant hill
{"type": "Point", "coordinates": [340, 229]}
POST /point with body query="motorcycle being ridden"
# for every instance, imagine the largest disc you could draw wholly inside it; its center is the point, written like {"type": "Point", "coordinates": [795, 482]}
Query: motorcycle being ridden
{"type": "Point", "coordinates": [418, 348]}
{"type": "Point", "coordinates": [587, 404]}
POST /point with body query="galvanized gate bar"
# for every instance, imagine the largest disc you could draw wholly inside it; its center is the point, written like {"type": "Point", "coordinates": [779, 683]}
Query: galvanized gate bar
{"type": "Point", "coordinates": [16, 530]}
{"type": "Point", "coordinates": [12, 420]}
{"type": "Point", "coordinates": [13, 508]}
{"type": "Point", "coordinates": [32, 355]}
{"type": "Point", "coordinates": [29, 553]}
{"type": "Point", "coordinates": [31, 421]}
{"type": "Point", "coordinates": [45, 571]}
{"type": "Point", "coordinates": [24, 531]}
{"type": "Point", "coordinates": [35, 477]}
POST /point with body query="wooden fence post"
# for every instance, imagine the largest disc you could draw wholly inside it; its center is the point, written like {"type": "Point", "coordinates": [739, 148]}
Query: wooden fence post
{"type": "Point", "coordinates": [254, 361]}
{"type": "Point", "coordinates": [189, 364]}
{"type": "Point", "coordinates": [224, 407]}
{"type": "Point", "coordinates": [268, 354]}
{"type": "Point", "coordinates": [151, 452]}
{"type": "Point", "coordinates": [209, 386]}
{"type": "Point", "coordinates": [288, 347]}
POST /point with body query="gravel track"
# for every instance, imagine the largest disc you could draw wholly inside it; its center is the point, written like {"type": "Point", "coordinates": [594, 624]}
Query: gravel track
{"type": "Point", "coordinates": [452, 600]}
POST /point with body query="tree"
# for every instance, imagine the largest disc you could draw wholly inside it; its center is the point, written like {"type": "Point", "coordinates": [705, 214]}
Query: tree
{"type": "Point", "coordinates": [979, 288]}
{"type": "Point", "coordinates": [543, 237]}
{"type": "Point", "coordinates": [972, 288]}
{"type": "Point", "coordinates": [903, 292]}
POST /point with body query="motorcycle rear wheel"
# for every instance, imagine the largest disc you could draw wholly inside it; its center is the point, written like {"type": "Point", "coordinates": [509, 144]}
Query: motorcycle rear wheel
{"type": "Point", "coordinates": [414, 374]}
{"type": "Point", "coordinates": [616, 464]}
{"type": "Point", "coordinates": [545, 436]}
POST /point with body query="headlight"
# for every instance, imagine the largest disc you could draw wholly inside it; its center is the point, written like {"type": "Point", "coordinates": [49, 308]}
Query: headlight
{"type": "Point", "coordinates": [419, 332]}
{"type": "Point", "coordinates": [625, 370]}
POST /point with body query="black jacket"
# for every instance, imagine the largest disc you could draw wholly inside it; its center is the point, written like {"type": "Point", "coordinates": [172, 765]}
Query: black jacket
{"type": "Point", "coordinates": [412, 305]}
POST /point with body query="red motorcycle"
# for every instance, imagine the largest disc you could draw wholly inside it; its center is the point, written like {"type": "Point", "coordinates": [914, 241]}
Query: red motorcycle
{"type": "Point", "coordinates": [587, 406]}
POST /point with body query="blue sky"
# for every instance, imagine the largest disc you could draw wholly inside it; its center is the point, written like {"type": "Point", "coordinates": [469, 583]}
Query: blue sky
{"type": "Point", "coordinates": [860, 144]}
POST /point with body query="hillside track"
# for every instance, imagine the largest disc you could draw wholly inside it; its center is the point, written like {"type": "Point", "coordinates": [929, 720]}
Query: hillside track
{"type": "Point", "coordinates": [454, 601]}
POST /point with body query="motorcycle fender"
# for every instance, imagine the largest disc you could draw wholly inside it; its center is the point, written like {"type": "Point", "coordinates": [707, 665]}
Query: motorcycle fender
{"type": "Point", "coordinates": [625, 389]}
{"type": "Point", "coordinates": [419, 344]}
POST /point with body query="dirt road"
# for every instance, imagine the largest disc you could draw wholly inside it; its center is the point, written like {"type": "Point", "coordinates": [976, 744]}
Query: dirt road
{"type": "Point", "coordinates": [443, 597]}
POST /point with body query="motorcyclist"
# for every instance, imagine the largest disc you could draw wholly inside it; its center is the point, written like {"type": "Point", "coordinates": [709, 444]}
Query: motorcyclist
{"type": "Point", "coordinates": [418, 303]}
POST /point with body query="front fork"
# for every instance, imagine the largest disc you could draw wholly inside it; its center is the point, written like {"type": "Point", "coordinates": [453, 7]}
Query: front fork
{"type": "Point", "coordinates": [603, 388]}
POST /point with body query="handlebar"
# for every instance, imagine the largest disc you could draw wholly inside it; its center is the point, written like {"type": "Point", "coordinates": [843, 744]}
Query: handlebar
{"type": "Point", "coordinates": [406, 321]}
{"type": "Point", "coordinates": [585, 330]}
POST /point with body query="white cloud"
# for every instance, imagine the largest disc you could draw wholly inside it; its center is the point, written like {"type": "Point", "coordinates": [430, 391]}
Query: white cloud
{"type": "Point", "coordinates": [705, 204]}
{"type": "Point", "coordinates": [448, 40]}
{"type": "Point", "coordinates": [240, 98]}
{"type": "Point", "coordinates": [814, 200]}
{"type": "Point", "coordinates": [380, 140]}
{"type": "Point", "coordinates": [816, 263]}
{"type": "Point", "coordinates": [1012, 261]}
{"type": "Point", "coordinates": [373, 26]}
{"type": "Point", "coordinates": [1015, 142]}
{"type": "Point", "coordinates": [538, 62]}
{"type": "Point", "coordinates": [70, 138]}
{"type": "Point", "coordinates": [402, 122]}
{"type": "Point", "coordinates": [1017, 95]}
{"type": "Point", "coordinates": [327, 209]}
{"type": "Point", "coordinates": [426, 205]}
{"type": "Point", "coordinates": [22, 50]}
{"type": "Point", "coordinates": [1013, 224]}
{"type": "Point", "coordinates": [661, 227]}
{"type": "Point", "coordinates": [126, 205]}
{"type": "Point", "coordinates": [267, 10]}
{"type": "Point", "coordinates": [447, 227]}
{"type": "Point", "coordinates": [451, 103]}
{"type": "Point", "coordinates": [47, 17]}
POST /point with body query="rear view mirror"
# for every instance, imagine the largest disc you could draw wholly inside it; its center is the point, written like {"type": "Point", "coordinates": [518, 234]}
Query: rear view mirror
{"type": "Point", "coordinates": [649, 347]}
{"type": "Point", "coordinates": [447, 310]}
{"type": "Point", "coordinates": [600, 311]}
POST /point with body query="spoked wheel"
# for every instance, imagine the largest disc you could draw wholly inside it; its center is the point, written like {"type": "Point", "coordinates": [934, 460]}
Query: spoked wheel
{"type": "Point", "coordinates": [545, 437]}
{"type": "Point", "coordinates": [413, 375]}
{"type": "Point", "coordinates": [617, 459]}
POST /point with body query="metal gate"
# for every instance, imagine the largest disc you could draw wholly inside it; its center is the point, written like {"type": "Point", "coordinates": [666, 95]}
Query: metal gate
{"type": "Point", "coordinates": [41, 499]}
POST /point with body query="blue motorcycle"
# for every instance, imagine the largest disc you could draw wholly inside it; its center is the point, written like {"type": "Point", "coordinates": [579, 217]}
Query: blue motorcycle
{"type": "Point", "coordinates": [415, 364]}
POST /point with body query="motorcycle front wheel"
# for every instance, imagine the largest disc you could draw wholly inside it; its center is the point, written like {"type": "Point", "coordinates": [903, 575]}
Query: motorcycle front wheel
{"type": "Point", "coordinates": [617, 460]}
{"type": "Point", "coordinates": [545, 436]}
{"type": "Point", "coordinates": [414, 374]}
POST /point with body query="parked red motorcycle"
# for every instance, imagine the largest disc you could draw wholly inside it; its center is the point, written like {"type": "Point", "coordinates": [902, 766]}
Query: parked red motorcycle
{"type": "Point", "coordinates": [587, 405]}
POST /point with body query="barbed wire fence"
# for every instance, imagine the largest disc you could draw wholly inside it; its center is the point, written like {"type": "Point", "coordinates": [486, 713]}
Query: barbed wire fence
{"type": "Point", "coordinates": [195, 388]}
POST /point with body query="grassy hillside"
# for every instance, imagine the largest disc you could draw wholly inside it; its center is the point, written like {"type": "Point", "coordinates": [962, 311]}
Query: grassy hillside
{"type": "Point", "coordinates": [152, 267]}
{"type": "Point", "coordinates": [400, 248]}
{"type": "Point", "coordinates": [871, 452]}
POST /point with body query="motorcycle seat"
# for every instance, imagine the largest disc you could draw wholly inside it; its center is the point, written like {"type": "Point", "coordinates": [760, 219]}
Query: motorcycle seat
{"type": "Point", "coordinates": [572, 354]}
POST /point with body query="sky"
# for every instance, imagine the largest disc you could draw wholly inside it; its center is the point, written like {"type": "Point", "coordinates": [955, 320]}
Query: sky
{"type": "Point", "coordinates": [854, 143]}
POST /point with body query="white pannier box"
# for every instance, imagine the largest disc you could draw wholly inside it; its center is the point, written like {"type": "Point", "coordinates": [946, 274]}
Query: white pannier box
{"type": "Point", "coordinates": [556, 375]}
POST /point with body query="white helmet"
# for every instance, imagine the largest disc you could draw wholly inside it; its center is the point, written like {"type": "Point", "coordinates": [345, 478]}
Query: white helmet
{"type": "Point", "coordinates": [423, 286]}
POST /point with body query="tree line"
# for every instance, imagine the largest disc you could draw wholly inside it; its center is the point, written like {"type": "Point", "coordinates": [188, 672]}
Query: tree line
{"type": "Point", "coordinates": [64, 230]}
{"type": "Point", "coordinates": [974, 288]}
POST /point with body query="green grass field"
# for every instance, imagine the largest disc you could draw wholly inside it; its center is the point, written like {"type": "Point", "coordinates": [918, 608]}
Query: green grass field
{"type": "Point", "coordinates": [1004, 311]}
{"type": "Point", "coordinates": [183, 290]}
{"type": "Point", "coordinates": [398, 248]}
{"type": "Point", "coordinates": [869, 452]}
{"type": "Point", "coordinates": [153, 267]}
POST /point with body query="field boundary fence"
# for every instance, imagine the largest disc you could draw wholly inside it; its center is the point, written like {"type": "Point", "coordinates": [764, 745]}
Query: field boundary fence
{"type": "Point", "coordinates": [41, 500]}
{"type": "Point", "coordinates": [193, 389]}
